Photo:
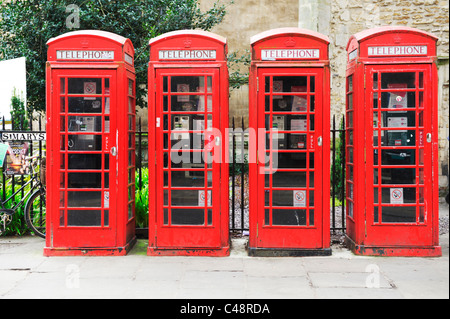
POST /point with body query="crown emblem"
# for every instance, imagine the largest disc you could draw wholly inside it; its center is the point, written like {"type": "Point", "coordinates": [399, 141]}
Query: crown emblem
{"type": "Point", "coordinates": [187, 43]}
{"type": "Point", "coordinates": [290, 43]}
{"type": "Point", "coordinates": [84, 43]}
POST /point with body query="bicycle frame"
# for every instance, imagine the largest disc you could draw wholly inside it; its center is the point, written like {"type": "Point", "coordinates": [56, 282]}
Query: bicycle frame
{"type": "Point", "coordinates": [33, 178]}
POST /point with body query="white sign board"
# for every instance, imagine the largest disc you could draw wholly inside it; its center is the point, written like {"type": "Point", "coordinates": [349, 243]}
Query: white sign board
{"type": "Point", "coordinates": [396, 195]}
{"type": "Point", "coordinates": [84, 55]}
{"type": "Point", "coordinates": [299, 198]}
{"type": "Point", "coordinates": [187, 54]}
{"type": "Point", "coordinates": [12, 77]}
{"type": "Point", "coordinates": [202, 199]}
{"type": "Point", "coordinates": [398, 50]}
{"type": "Point", "coordinates": [289, 54]}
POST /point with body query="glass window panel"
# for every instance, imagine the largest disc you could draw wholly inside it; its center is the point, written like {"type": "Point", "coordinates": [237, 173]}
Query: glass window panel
{"type": "Point", "coordinates": [405, 195]}
{"type": "Point", "coordinates": [188, 198]}
{"type": "Point", "coordinates": [293, 160]}
{"type": "Point", "coordinates": [398, 138]}
{"type": "Point", "coordinates": [86, 86]}
{"type": "Point", "coordinates": [420, 80]}
{"type": "Point", "coordinates": [398, 80]}
{"type": "Point", "coordinates": [86, 218]}
{"type": "Point", "coordinates": [398, 119]}
{"type": "Point", "coordinates": [85, 124]}
{"type": "Point", "coordinates": [84, 180]}
{"type": "Point", "coordinates": [85, 142]}
{"type": "Point", "coordinates": [398, 157]}
{"type": "Point", "coordinates": [350, 101]}
{"type": "Point", "coordinates": [398, 176]}
{"type": "Point", "coordinates": [84, 199]}
{"type": "Point", "coordinates": [291, 83]}
{"type": "Point", "coordinates": [375, 81]}
{"type": "Point", "coordinates": [311, 217]}
{"type": "Point", "coordinates": [395, 214]}
{"type": "Point", "coordinates": [62, 105]}
{"type": "Point", "coordinates": [188, 216]}
{"type": "Point", "coordinates": [188, 179]}
{"type": "Point", "coordinates": [289, 179]}
{"type": "Point", "coordinates": [188, 103]}
{"type": "Point", "coordinates": [312, 83]}
{"type": "Point", "coordinates": [85, 105]}
{"type": "Point", "coordinates": [289, 217]}
{"type": "Point", "coordinates": [62, 82]}
{"type": "Point", "coordinates": [398, 100]}
{"type": "Point", "coordinates": [210, 217]}
{"type": "Point", "coordinates": [181, 84]}
{"type": "Point", "coordinates": [85, 161]}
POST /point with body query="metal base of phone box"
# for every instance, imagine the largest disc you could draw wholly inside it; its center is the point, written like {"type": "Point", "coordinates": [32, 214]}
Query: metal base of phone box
{"type": "Point", "coordinates": [90, 251]}
{"type": "Point", "coordinates": [397, 251]}
{"type": "Point", "coordinates": [279, 252]}
{"type": "Point", "coordinates": [205, 252]}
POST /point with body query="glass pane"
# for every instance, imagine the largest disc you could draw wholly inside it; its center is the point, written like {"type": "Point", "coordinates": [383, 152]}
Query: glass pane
{"type": "Point", "coordinates": [398, 100]}
{"type": "Point", "coordinates": [85, 123]}
{"type": "Point", "coordinates": [398, 80]}
{"type": "Point", "coordinates": [289, 179]}
{"type": "Point", "coordinates": [84, 199]}
{"type": "Point", "coordinates": [404, 214]}
{"type": "Point", "coordinates": [85, 161]}
{"type": "Point", "coordinates": [294, 160]}
{"type": "Point", "coordinates": [84, 218]}
{"type": "Point", "coordinates": [398, 119]}
{"type": "Point", "coordinates": [398, 176]}
{"type": "Point", "coordinates": [188, 216]}
{"type": "Point", "coordinates": [398, 157]}
{"type": "Point", "coordinates": [85, 86]}
{"type": "Point", "coordinates": [405, 195]}
{"type": "Point", "coordinates": [289, 217]}
{"type": "Point", "coordinates": [85, 105]}
{"type": "Point", "coordinates": [398, 138]}
{"type": "Point", "coordinates": [181, 84]}
{"type": "Point", "coordinates": [290, 84]}
{"type": "Point", "coordinates": [84, 180]}
{"type": "Point", "coordinates": [188, 179]}
{"type": "Point", "coordinates": [85, 143]}
{"type": "Point", "coordinates": [62, 85]}
{"type": "Point", "coordinates": [190, 103]}
{"type": "Point", "coordinates": [190, 198]}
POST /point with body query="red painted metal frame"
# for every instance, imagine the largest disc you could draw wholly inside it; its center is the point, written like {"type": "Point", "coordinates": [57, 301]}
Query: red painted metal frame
{"type": "Point", "coordinates": [365, 234]}
{"type": "Point", "coordinates": [268, 240]}
{"type": "Point", "coordinates": [177, 240]}
{"type": "Point", "coordinates": [117, 236]}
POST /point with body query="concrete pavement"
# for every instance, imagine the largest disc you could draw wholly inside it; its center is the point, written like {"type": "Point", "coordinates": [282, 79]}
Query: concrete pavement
{"type": "Point", "coordinates": [26, 273]}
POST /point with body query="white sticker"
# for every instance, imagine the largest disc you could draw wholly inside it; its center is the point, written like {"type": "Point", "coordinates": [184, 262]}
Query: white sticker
{"type": "Point", "coordinates": [202, 200]}
{"type": "Point", "coordinates": [396, 195]}
{"type": "Point", "coordinates": [299, 198]}
{"type": "Point", "coordinates": [106, 199]}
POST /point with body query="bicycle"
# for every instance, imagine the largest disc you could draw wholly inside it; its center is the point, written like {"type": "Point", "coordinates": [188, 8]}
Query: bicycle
{"type": "Point", "coordinates": [35, 212]}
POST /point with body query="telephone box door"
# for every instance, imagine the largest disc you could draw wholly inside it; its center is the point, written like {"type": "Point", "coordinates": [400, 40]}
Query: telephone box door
{"type": "Point", "coordinates": [399, 160]}
{"type": "Point", "coordinates": [187, 178]}
{"type": "Point", "coordinates": [290, 106]}
{"type": "Point", "coordinates": [85, 192]}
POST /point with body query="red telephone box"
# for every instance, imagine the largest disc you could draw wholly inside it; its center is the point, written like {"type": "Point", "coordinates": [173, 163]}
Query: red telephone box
{"type": "Point", "coordinates": [290, 115]}
{"type": "Point", "coordinates": [90, 145]}
{"type": "Point", "coordinates": [392, 143]}
{"type": "Point", "coordinates": [188, 114]}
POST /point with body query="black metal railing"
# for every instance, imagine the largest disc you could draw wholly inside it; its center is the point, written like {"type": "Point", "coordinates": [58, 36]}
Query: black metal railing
{"type": "Point", "coordinates": [239, 215]}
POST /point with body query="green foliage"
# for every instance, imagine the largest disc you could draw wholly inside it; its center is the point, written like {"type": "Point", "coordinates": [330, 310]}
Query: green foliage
{"type": "Point", "coordinates": [238, 66]}
{"type": "Point", "coordinates": [26, 26]}
{"type": "Point", "coordinates": [18, 225]}
{"type": "Point", "coordinates": [141, 208]}
{"type": "Point", "coordinates": [340, 160]}
{"type": "Point", "coordinates": [19, 116]}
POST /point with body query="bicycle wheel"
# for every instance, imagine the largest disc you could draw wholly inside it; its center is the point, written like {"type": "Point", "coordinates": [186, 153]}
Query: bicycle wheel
{"type": "Point", "coordinates": [35, 213]}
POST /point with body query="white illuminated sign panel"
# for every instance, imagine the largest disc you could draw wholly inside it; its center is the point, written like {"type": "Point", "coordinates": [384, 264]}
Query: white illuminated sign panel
{"type": "Point", "coordinates": [84, 55]}
{"type": "Point", "coordinates": [398, 50]}
{"type": "Point", "coordinates": [290, 54]}
{"type": "Point", "coordinates": [187, 54]}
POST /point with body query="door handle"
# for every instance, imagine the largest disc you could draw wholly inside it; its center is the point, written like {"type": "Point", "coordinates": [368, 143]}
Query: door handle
{"type": "Point", "coordinates": [320, 141]}
{"type": "Point", "coordinates": [429, 137]}
{"type": "Point", "coordinates": [113, 151]}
